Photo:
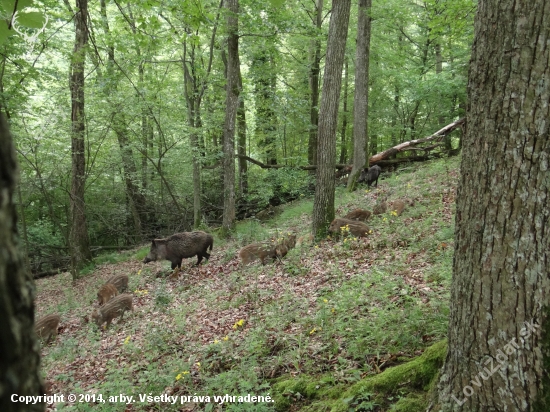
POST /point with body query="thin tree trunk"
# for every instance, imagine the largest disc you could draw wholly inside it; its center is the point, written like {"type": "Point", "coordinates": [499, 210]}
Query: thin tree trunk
{"type": "Point", "coordinates": [314, 86]}
{"type": "Point", "coordinates": [137, 203]}
{"type": "Point", "coordinates": [231, 104]}
{"type": "Point", "coordinates": [323, 206]}
{"type": "Point", "coordinates": [265, 82]}
{"type": "Point", "coordinates": [343, 148]}
{"type": "Point", "coordinates": [360, 103]}
{"type": "Point", "coordinates": [241, 147]}
{"type": "Point", "coordinates": [79, 241]}
{"type": "Point", "coordinates": [499, 329]}
{"type": "Point", "coordinates": [438, 71]}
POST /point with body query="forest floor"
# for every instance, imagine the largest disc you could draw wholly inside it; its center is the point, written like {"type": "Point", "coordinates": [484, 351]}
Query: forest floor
{"type": "Point", "coordinates": [310, 332]}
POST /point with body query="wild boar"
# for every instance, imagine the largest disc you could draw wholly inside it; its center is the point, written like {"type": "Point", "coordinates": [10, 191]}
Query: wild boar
{"type": "Point", "coordinates": [281, 251]}
{"type": "Point", "coordinates": [370, 175]}
{"type": "Point", "coordinates": [262, 251]}
{"type": "Point", "coordinates": [180, 246]}
{"type": "Point", "coordinates": [358, 229]}
{"type": "Point", "coordinates": [46, 327]}
{"type": "Point", "coordinates": [106, 293]}
{"type": "Point", "coordinates": [120, 282]}
{"type": "Point", "coordinates": [306, 239]}
{"type": "Point", "coordinates": [265, 251]}
{"type": "Point", "coordinates": [113, 309]}
{"type": "Point", "coordinates": [379, 208]}
{"type": "Point", "coordinates": [358, 214]}
{"type": "Point", "coordinates": [397, 206]}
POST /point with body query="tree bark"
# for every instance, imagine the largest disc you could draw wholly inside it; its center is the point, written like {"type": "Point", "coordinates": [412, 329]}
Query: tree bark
{"type": "Point", "coordinates": [361, 98]}
{"type": "Point", "coordinates": [231, 104]}
{"type": "Point", "coordinates": [79, 241]}
{"type": "Point", "coordinates": [19, 348]}
{"type": "Point", "coordinates": [500, 292]}
{"type": "Point", "coordinates": [323, 205]}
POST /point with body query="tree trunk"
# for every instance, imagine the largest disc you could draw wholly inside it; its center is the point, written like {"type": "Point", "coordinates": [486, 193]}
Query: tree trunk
{"type": "Point", "coordinates": [323, 205]}
{"type": "Point", "coordinates": [79, 241]}
{"type": "Point", "coordinates": [314, 87]}
{"type": "Point", "coordinates": [19, 348]}
{"type": "Point", "coordinates": [137, 203]}
{"type": "Point", "coordinates": [231, 104]}
{"type": "Point", "coordinates": [192, 99]}
{"type": "Point", "coordinates": [500, 292]}
{"type": "Point", "coordinates": [360, 103]}
{"type": "Point", "coordinates": [241, 147]}
{"type": "Point", "coordinates": [343, 148]}
{"type": "Point", "coordinates": [265, 83]}
{"type": "Point", "coordinates": [438, 71]}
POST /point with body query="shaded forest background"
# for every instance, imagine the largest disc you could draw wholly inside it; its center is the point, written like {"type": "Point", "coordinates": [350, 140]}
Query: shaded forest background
{"type": "Point", "coordinates": [155, 75]}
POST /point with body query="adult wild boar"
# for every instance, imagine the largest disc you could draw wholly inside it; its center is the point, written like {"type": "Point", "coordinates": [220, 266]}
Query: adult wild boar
{"type": "Point", "coordinates": [370, 176]}
{"type": "Point", "coordinates": [180, 246]}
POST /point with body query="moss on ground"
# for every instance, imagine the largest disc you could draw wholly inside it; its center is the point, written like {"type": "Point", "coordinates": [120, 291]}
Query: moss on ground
{"type": "Point", "coordinates": [415, 378]}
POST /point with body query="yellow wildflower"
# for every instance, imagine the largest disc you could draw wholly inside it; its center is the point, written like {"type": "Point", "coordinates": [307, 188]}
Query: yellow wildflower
{"type": "Point", "coordinates": [225, 338]}
{"type": "Point", "coordinates": [239, 323]}
{"type": "Point", "coordinates": [181, 375]}
{"type": "Point", "coordinates": [127, 339]}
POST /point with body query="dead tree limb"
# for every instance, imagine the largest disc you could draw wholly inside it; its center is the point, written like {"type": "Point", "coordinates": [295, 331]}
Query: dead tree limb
{"type": "Point", "coordinates": [381, 157]}
{"type": "Point", "coordinates": [410, 145]}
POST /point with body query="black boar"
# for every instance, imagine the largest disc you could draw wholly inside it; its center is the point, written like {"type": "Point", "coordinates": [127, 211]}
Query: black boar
{"type": "Point", "coordinates": [180, 246]}
{"type": "Point", "coordinates": [370, 175]}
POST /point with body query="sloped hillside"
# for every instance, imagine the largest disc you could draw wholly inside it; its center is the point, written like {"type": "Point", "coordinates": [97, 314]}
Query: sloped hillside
{"type": "Point", "coordinates": [305, 333]}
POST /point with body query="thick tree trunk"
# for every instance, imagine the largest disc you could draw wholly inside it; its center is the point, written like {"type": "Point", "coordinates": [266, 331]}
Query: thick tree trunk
{"type": "Point", "coordinates": [79, 241]}
{"type": "Point", "coordinates": [360, 103]}
{"type": "Point", "coordinates": [231, 104]}
{"type": "Point", "coordinates": [19, 348]}
{"type": "Point", "coordinates": [323, 206]}
{"type": "Point", "coordinates": [314, 87]}
{"type": "Point", "coordinates": [499, 333]}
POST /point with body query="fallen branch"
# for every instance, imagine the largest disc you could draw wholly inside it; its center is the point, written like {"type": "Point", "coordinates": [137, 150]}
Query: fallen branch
{"type": "Point", "coordinates": [437, 136]}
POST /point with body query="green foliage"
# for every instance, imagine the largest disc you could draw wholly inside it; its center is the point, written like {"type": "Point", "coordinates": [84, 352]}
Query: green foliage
{"type": "Point", "coordinates": [42, 232]}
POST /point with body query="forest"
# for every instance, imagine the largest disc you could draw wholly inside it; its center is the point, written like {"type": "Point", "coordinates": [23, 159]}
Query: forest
{"type": "Point", "coordinates": [154, 106]}
{"type": "Point", "coordinates": [366, 181]}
